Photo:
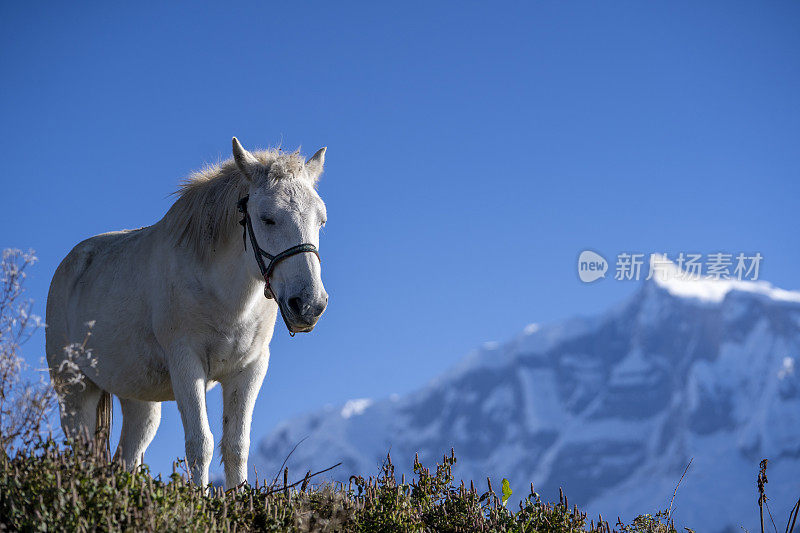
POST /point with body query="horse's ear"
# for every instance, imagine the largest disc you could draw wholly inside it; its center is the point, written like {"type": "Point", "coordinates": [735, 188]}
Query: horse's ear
{"type": "Point", "coordinates": [315, 164]}
{"type": "Point", "coordinates": [246, 161]}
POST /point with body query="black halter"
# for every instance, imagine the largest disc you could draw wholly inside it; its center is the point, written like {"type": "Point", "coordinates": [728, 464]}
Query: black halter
{"type": "Point", "coordinates": [266, 270]}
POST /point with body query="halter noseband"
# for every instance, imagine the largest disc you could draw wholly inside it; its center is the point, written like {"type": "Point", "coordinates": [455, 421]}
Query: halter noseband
{"type": "Point", "coordinates": [266, 270]}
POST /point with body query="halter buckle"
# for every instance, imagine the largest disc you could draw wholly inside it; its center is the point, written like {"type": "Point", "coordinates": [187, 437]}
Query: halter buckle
{"type": "Point", "coordinates": [268, 291]}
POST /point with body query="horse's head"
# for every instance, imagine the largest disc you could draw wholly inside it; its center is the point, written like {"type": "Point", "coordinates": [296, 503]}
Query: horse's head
{"type": "Point", "coordinates": [285, 211]}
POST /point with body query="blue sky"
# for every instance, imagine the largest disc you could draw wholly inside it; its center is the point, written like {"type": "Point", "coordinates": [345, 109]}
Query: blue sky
{"type": "Point", "coordinates": [474, 150]}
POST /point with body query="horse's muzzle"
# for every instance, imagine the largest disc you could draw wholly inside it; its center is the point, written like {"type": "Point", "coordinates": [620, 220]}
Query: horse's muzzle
{"type": "Point", "coordinates": [302, 314]}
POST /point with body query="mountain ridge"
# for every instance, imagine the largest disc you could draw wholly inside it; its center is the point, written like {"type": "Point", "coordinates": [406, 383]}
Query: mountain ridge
{"type": "Point", "coordinates": [610, 407]}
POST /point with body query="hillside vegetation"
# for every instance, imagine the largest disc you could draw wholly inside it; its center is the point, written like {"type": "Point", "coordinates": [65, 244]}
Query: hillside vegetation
{"type": "Point", "coordinates": [48, 487]}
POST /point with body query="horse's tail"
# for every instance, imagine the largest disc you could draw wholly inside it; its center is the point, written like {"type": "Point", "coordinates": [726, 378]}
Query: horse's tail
{"type": "Point", "coordinates": [102, 433]}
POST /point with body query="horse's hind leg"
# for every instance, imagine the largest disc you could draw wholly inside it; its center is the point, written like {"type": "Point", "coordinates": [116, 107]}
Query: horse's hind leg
{"type": "Point", "coordinates": [79, 408]}
{"type": "Point", "coordinates": [139, 424]}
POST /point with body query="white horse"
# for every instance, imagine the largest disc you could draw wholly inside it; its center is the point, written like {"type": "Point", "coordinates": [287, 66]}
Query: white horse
{"type": "Point", "coordinates": [180, 305]}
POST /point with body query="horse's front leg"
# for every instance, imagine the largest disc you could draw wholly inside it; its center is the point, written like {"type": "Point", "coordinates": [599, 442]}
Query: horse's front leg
{"type": "Point", "coordinates": [239, 392]}
{"type": "Point", "coordinates": [188, 377]}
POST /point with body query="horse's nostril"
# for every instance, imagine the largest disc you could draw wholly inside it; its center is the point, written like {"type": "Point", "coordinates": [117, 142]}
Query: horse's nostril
{"type": "Point", "coordinates": [296, 305]}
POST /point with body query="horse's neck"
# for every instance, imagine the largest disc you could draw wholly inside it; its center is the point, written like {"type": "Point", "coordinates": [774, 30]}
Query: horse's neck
{"type": "Point", "coordinates": [230, 274]}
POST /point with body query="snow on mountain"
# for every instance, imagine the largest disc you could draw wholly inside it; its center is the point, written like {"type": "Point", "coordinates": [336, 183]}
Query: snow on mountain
{"type": "Point", "coordinates": [676, 283]}
{"type": "Point", "coordinates": [611, 408]}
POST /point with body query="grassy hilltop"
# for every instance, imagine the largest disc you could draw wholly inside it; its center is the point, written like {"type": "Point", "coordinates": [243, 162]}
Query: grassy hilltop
{"type": "Point", "coordinates": [48, 487]}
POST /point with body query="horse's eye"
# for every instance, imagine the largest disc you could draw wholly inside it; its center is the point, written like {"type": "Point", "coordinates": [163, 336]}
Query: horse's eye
{"type": "Point", "coordinates": [268, 221]}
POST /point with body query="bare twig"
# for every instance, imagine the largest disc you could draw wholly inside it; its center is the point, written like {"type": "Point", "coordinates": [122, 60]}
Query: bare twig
{"type": "Point", "coordinates": [675, 492]}
{"type": "Point", "coordinates": [769, 512]}
{"type": "Point", "coordinates": [275, 480]}
{"type": "Point", "coordinates": [305, 479]}
{"type": "Point", "coordinates": [792, 520]}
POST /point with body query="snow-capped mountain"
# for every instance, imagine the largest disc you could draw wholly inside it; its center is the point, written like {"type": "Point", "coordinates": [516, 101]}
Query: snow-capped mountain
{"type": "Point", "coordinates": [610, 408]}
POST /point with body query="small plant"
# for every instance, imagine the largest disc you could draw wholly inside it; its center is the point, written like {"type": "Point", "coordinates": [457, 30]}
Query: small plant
{"type": "Point", "coordinates": [506, 491]}
{"type": "Point", "coordinates": [24, 404]}
{"type": "Point", "coordinates": [657, 523]}
{"type": "Point", "coordinates": [761, 482]}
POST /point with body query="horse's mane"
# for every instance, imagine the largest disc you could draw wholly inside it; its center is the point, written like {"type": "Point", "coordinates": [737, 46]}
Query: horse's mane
{"type": "Point", "coordinates": [205, 210]}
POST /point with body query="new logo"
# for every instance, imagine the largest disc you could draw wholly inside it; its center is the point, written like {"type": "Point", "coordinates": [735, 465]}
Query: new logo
{"type": "Point", "coordinates": [591, 266]}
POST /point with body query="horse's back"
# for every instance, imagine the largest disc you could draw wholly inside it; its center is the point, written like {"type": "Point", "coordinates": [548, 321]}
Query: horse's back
{"type": "Point", "coordinates": [89, 270]}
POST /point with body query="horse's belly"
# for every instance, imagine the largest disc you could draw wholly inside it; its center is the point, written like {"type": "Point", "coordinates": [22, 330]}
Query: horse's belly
{"type": "Point", "coordinates": [151, 384]}
{"type": "Point", "coordinates": [141, 376]}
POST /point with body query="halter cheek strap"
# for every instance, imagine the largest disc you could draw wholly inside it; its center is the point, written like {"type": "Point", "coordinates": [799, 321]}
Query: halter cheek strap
{"type": "Point", "coordinates": [266, 269]}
